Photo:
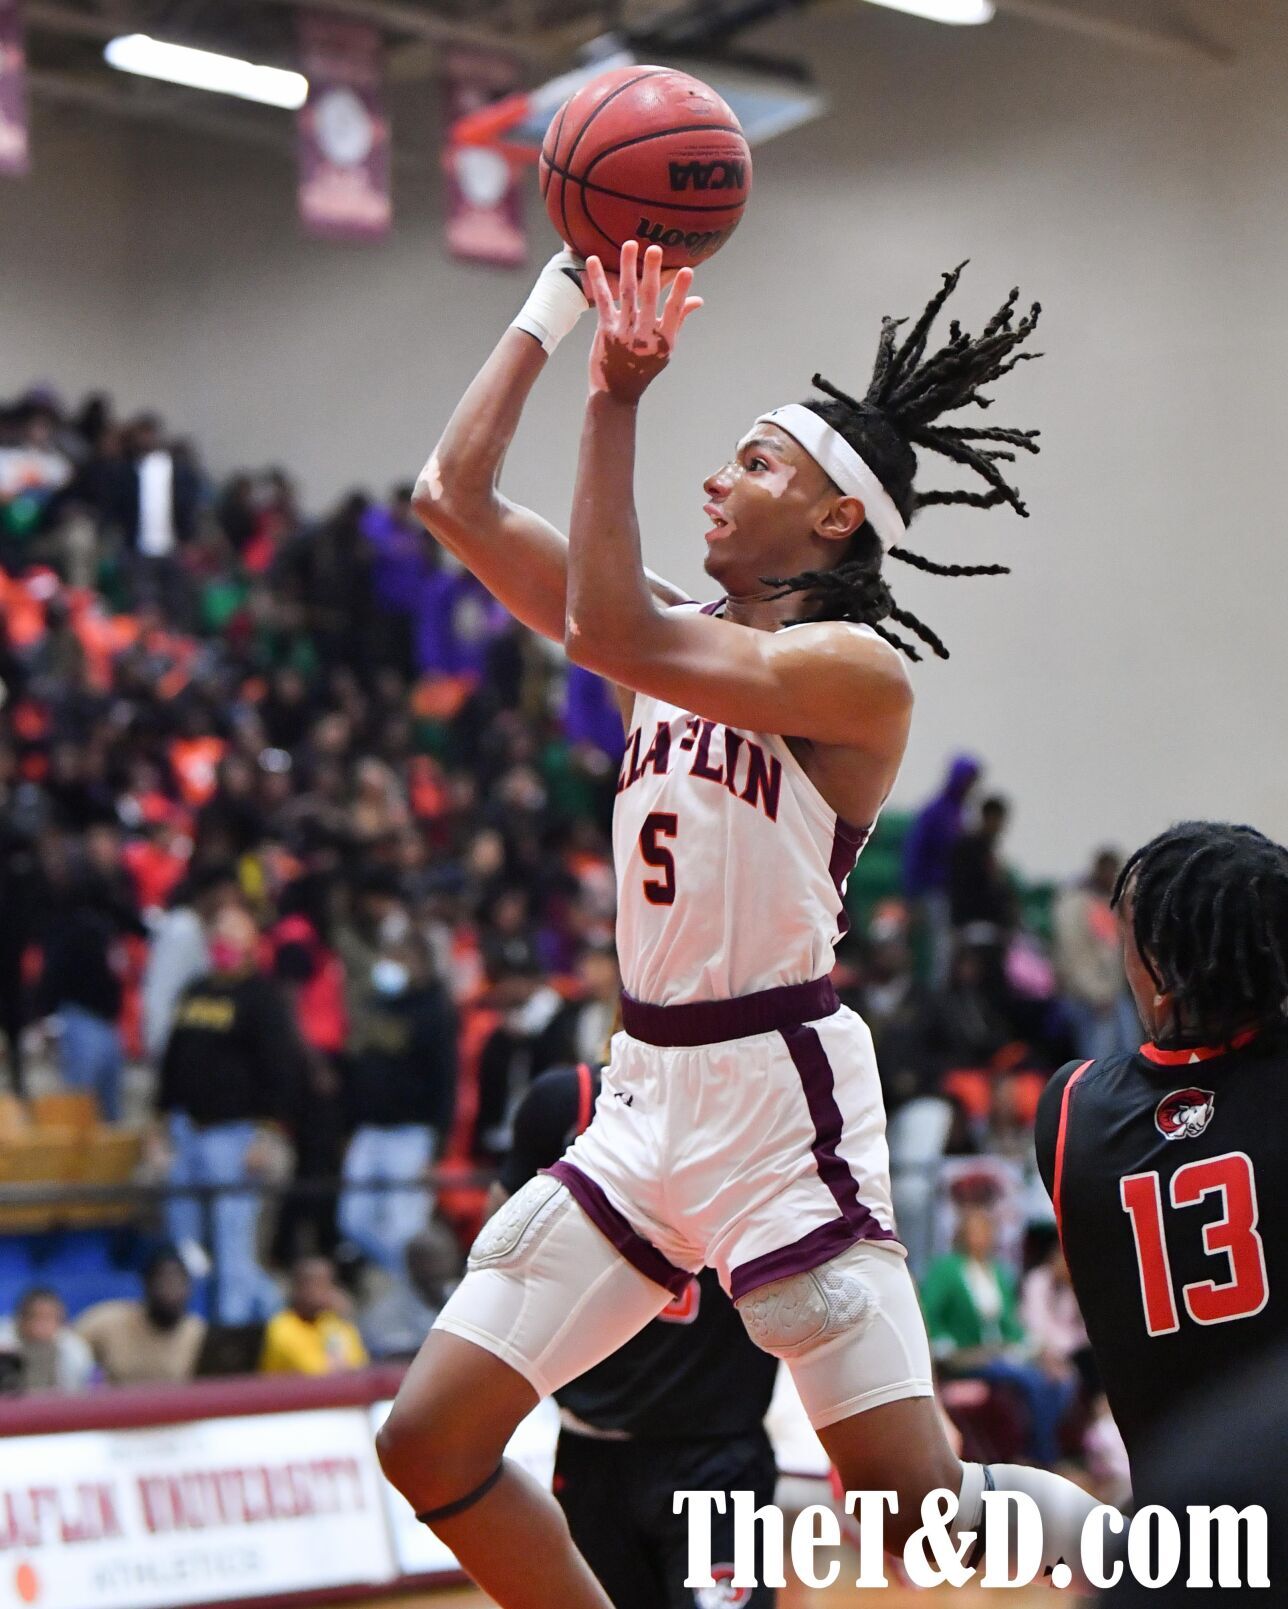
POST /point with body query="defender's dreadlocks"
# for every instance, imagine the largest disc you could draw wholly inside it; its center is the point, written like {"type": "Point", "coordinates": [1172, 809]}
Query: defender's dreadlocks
{"type": "Point", "coordinates": [905, 398]}
{"type": "Point", "coordinates": [1210, 919]}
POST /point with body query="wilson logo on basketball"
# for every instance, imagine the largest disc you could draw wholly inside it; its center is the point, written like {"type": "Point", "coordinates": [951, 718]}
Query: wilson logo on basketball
{"type": "Point", "coordinates": [708, 175]}
{"type": "Point", "coordinates": [697, 242]}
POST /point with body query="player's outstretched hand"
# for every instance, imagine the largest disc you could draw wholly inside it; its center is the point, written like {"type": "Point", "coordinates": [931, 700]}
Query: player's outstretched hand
{"type": "Point", "coordinates": [637, 330]}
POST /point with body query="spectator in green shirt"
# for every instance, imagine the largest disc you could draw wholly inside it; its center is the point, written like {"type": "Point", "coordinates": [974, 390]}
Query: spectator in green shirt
{"type": "Point", "coordinates": [969, 1299]}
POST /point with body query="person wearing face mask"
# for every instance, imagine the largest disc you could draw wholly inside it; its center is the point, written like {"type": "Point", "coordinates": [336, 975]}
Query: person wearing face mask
{"type": "Point", "coordinates": [234, 1064]}
{"type": "Point", "coordinates": [402, 1091]}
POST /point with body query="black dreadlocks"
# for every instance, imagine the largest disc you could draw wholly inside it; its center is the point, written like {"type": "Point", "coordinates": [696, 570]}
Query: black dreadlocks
{"type": "Point", "coordinates": [898, 414]}
{"type": "Point", "coordinates": [1210, 919]}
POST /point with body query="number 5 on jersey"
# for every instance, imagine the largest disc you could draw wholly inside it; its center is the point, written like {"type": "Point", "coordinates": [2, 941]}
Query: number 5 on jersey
{"type": "Point", "coordinates": [1234, 1233]}
{"type": "Point", "coordinates": [661, 824]}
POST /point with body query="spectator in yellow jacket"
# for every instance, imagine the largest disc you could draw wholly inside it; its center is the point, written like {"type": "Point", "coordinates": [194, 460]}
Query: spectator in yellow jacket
{"type": "Point", "coordinates": [310, 1336]}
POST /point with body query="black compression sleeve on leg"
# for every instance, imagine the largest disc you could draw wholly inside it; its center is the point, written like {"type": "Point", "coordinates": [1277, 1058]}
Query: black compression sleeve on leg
{"type": "Point", "coordinates": [431, 1515]}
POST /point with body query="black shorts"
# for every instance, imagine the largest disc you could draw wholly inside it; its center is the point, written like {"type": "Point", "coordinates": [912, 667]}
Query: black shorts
{"type": "Point", "coordinates": [619, 1499]}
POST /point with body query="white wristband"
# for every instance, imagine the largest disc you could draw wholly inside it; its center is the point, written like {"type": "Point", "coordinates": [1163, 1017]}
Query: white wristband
{"type": "Point", "coordinates": [556, 301]}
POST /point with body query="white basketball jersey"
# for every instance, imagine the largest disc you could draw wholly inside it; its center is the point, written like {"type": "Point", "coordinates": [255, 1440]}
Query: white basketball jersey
{"type": "Point", "coordinates": [731, 867]}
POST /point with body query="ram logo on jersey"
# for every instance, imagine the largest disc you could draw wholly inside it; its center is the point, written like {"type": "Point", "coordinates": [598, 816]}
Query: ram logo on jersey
{"type": "Point", "coordinates": [1184, 1114]}
{"type": "Point", "coordinates": [724, 1595]}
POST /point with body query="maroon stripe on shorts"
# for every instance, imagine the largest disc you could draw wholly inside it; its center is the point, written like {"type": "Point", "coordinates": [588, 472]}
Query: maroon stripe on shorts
{"type": "Point", "coordinates": [810, 1251]}
{"type": "Point", "coordinates": [847, 842]}
{"type": "Point", "coordinates": [638, 1252]}
{"type": "Point", "coordinates": [856, 1222]}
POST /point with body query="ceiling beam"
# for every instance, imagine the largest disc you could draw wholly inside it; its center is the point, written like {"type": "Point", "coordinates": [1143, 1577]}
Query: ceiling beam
{"type": "Point", "coordinates": [149, 103]}
{"type": "Point", "coordinates": [397, 17]}
{"type": "Point", "coordinates": [60, 19]}
{"type": "Point", "coordinates": [1180, 42]}
{"type": "Point", "coordinates": [144, 104]}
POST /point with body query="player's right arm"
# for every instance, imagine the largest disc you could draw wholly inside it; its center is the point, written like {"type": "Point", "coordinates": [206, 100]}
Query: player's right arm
{"type": "Point", "coordinates": [519, 557]}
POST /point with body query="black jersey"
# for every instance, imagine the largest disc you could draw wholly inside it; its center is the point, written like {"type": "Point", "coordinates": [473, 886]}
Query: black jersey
{"type": "Point", "coordinates": [693, 1372]}
{"type": "Point", "coordinates": [1168, 1171]}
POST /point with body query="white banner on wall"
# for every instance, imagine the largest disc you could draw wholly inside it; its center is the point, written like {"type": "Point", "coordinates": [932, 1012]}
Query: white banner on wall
{"type": "Point", "coordinates": [246, 1507]}
{"type": "Point", "coordinates": [197, 1513]}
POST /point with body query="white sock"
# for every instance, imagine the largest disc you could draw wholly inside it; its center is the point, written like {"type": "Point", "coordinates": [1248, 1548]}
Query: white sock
{"type": "Point", "coordinates": [1063, 1506]}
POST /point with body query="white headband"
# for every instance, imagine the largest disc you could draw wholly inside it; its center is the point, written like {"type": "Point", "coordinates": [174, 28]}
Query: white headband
{"type": "Point", "coordinates": [839, 461]}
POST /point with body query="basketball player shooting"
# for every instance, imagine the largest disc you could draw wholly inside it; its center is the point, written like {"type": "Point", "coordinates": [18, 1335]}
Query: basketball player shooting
{"type": "Point", "coordinates": [740, 1122]}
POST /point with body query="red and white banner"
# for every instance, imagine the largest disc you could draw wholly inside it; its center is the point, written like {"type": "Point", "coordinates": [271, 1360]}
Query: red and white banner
{"type": "Point", "coordinates": [210, 1511]}
{"type": "Point", "coordinates": [484, 189]}
{"type": "Point", "coordinates": [156, 1509]}
{"type": "Point", "coordinates": [344, 135]}
{"type": "Point", "coordinates": [13, 90]}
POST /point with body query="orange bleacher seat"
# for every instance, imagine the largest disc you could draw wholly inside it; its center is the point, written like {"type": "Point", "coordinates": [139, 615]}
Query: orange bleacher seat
{"type": "Point", "coordinates": [109, 1156]}
{"type": "Point", "coordinates": [70, 1108]}
{"type": "Point", "coordinates": [38, 1156]}
{"type": "Point", "coordinates": [13, 1115]}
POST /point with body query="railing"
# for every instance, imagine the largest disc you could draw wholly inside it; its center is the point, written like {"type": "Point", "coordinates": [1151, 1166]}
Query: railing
{"type": "Point", "coordinates": [53, 1208]}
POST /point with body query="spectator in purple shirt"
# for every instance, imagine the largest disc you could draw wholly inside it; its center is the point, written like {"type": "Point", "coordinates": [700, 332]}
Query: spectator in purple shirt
{"type": "Point", "coordinates": [402, 561]}
{"type": "Point", "coordinates": [927, 856]}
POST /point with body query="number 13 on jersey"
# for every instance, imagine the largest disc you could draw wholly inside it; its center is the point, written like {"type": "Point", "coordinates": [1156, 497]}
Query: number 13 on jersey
{"type": "Point", "coordinates": [1207, 1301]}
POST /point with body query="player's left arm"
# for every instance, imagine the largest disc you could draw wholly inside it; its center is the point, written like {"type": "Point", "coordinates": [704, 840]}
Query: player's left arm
{"type": "Point", "coordinates": [829, 681]}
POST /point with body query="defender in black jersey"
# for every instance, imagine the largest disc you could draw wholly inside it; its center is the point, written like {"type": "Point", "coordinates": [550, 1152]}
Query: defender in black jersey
{"type": "Point", "coordinates": [1168, 1168]}
{"type": "Point", "coordinates": [681, 1405]}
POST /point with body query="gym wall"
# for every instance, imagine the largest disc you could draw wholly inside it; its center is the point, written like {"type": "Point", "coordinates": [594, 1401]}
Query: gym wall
{"type": "Point", "coordinates": [1133, 668]}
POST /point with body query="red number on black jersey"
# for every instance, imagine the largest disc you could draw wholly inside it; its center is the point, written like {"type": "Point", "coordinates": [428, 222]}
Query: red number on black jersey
{"type": "Point", "coordinates": [661, 824]}
{"type": "Point", "coordinates": [1235, 1234]}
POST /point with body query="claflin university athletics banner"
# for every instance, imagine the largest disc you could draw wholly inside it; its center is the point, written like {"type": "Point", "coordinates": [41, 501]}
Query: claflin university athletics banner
{"type": "Point", "coordinates": [197, 1513]}
{"type": "Point", "coordinates": [13, 90]}
{"type": "Point", "coordinates": [344, 137]}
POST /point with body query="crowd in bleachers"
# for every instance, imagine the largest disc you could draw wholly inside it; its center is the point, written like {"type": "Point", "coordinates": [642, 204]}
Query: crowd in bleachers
{"type": "Point", "coordinates": [305, 874]}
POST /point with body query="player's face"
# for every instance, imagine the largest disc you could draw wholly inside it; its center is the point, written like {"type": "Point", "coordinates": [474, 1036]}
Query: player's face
{"type": "Point", "coordinates": [1153, 1008]}
{"type": "Point", "coordinates": [773, 512]}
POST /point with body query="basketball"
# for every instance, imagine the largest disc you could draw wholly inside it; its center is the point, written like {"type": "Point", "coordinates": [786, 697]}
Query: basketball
{"type": "Point", "coordinates": [645, 153]}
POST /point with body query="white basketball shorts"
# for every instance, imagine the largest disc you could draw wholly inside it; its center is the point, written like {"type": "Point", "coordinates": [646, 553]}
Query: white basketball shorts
{"type": "Point", "coordinates": [761, 1154]}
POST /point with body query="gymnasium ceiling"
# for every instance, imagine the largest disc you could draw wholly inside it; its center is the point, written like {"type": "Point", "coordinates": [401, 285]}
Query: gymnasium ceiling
{"type": "Point", "coordinates": [65, 40]}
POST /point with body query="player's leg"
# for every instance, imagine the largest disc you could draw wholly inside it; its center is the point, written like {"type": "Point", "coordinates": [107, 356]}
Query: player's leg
{"type": "Point", "coordinates": [545, 1297]}
{"type": "Point", "coordinates": [852, 1333]}
{"type": "Point", "coordinates": [597, 1484]}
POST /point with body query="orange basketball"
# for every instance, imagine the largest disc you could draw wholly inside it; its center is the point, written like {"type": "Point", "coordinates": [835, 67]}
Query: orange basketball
{"type": "Point", "coordinates": [647, 154]}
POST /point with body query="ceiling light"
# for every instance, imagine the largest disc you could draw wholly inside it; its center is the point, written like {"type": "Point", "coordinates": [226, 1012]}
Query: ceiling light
{"type": "Point", "coordinates": [953, 11]}
{"type": "Point", "coordinates": [206, 69]}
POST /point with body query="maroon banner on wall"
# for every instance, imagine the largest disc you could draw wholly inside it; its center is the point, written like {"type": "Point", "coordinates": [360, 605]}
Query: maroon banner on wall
{"type": "Point", "coordinates": [344, 136]}
{"type": "Point", "coordinates": [484, 189]}
{"type": "Point", "coordinates": [14, 158]}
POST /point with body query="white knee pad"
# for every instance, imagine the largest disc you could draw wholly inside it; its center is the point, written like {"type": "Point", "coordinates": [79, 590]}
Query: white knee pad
{"type": "Point", "coordinates": [512, 1233]}
{"type": "Point", "coordinates": [793, 1316]}
{"type": "Point", "coordinates": [851, 1332]}
{"type": "Point", "coordinates": [546, 1292]}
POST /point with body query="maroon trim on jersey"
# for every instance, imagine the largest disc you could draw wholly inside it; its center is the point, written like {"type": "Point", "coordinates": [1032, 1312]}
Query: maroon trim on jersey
{"type": "Point", "coordinates": [711, 1022]}
{"type": "Point", "coordinates": [710, 608]}
{"type": "Point", "coordinates": [1185, 1055]}
{"type": "Point", "coordinates": [638, 1252]}
{"type": "Point", "coordinates": [847, 844]}
{"type": "Point", "coordinates": [1057, 1182]}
